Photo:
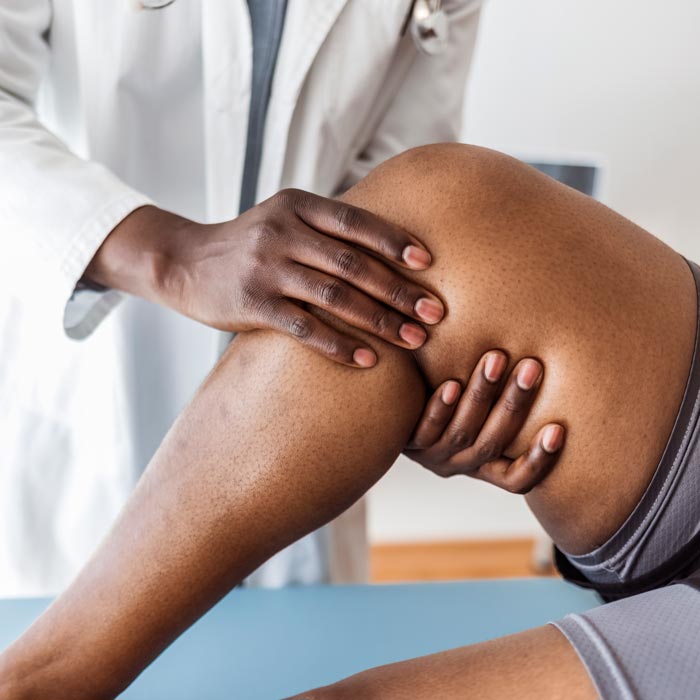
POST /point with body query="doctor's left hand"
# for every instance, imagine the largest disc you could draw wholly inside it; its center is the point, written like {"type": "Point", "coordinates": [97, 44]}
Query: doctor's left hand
{"type": "Point", "coordinates": [260, 269]}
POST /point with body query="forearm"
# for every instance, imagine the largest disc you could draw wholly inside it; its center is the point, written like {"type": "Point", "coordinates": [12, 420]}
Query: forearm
{"type": "Point", "coordinates": [265, 453]}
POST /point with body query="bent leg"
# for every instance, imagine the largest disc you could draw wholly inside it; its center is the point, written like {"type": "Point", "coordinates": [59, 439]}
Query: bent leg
{"type": "Point", "coordinates": [531, 266]}
{"type": "Point", "coordinates": [277, 442]}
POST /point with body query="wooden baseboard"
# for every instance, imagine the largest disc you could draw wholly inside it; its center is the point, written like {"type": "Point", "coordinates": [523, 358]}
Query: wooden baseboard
{"type": "Point", "coordinates": [440, 561]}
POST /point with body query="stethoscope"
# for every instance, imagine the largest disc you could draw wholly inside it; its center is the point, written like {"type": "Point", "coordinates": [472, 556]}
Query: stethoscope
{"type": "Point", "coordinates": [429, 26]}
{"type": "Point", "coordinates": [426, 18]}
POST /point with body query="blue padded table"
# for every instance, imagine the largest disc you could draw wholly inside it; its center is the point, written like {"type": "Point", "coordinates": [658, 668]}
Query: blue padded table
{"type": "Point", "coordinates": [267, 644]}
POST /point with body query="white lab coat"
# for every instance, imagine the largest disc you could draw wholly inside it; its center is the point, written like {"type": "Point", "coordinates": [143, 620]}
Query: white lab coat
{"type": "Point", "coordinates": [151, 106]}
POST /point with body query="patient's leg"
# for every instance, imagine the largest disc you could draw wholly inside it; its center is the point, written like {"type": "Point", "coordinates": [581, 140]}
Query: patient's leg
{"type": "Point", "coordinates": [279, 441]}
{"type": "Point", "coordinates": [538, 664]}
{"type": "Point", "coordinates": [534, 267]}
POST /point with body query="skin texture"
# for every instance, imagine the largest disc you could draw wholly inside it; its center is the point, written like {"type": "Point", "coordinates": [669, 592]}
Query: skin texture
{"type": "Point", "coordinates": [522, 263]}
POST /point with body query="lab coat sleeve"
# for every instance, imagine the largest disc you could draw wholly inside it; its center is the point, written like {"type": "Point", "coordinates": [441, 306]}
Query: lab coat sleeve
{"type": "Point", "coordinates": [423, 96]}
{"type": "Point", "coordinates": [55, 208]}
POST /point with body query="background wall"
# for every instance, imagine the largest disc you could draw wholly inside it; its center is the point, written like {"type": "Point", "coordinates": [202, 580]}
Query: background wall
{"type": "Point", "coordinates": [613, 81]}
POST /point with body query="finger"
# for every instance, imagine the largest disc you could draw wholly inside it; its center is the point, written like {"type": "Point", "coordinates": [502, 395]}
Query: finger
{"type": "Point", "coordinates": [507, 416]}
{"type": "Point", "coordinates": [291, 319]}
{"type": "Point", "coordinates": [363, 228]}
{"type": "Point", "coordinates": [476, 402]}
{"type": "Point", "coordinates": [436, 415]}
{"type": "Point", "coordinates": [347, 303]}
{"type": "Point", "coordinates": [368, 275]}
{"type": "Point", "coordinates": [528, 470]}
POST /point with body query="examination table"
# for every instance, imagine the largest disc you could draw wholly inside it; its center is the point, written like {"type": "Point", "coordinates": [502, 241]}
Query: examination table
{"type": "Point", "coordinates": [267, 644]}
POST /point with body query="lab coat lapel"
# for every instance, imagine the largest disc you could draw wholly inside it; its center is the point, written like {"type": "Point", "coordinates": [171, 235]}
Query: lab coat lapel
{"type": "Point", "coordinates": [307, 24]}
{"type": "Point", "coordinates": [227, 65]}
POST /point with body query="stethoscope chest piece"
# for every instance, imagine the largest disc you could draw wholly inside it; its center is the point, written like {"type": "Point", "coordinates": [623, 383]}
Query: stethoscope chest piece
{"type": "Point", "coordinates": [430, 28]}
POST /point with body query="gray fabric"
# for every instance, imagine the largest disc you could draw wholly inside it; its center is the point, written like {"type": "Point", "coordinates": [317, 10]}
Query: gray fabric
{"type": "Point", "coordinates": [668, 514]}
{"type": "Point", "coordinates": [647, 646]}
{"type": "Point", "coordinates": [267, 22]}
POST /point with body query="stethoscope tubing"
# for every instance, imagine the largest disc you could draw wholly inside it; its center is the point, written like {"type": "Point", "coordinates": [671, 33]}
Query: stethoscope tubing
{"type": "Point", "coordinates": [155, 4]}
{"type": "Point", "coordinates": [419, 12]}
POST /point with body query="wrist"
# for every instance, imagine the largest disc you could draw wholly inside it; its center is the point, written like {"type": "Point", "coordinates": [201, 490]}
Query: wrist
{"type": "Point", "coordinates": [139, 254]}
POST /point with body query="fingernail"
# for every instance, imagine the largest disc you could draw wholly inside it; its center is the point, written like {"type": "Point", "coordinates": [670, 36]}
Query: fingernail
{"type": "Point", "coordinates": [450, 392]}
{"type": "Point", "coordinates": [552, 438]}
{"type": "Point", "coordinates": [528, 374]}
{"type": "Point", "coordinates": [364, 358]}
{"type": "Point", "coordinates": [430, 310]}
{"type": "Point", "coordinates": [414, 335]}
{"type": "Point", "coordinates": [416, 257]}
{"type": "Point", "coordinates": [494, 366]}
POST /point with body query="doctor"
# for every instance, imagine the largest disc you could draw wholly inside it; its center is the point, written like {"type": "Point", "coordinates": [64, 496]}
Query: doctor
{"type": "Point", "coordinates": [136, 139]}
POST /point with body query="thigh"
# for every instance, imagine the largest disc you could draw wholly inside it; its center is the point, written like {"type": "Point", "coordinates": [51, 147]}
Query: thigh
{"type": "Point", "coordinates": [531, 665]}
{"type": "Point", "coordinates": [276, 442]}
{"type": "Point", "coordinates": [528, 265]}
{"type": "Point", "coordinates": [643, 647]}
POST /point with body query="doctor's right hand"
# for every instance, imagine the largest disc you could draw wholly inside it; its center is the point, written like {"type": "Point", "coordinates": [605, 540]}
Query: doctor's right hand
{"type": "Point", "coordinates": [471, 431]}
{"type": "Point", "coordinates": [261, 269]}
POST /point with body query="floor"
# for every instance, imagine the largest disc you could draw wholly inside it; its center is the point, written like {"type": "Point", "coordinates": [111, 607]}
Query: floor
{"type": "Point", "coordinates": [458, 560]}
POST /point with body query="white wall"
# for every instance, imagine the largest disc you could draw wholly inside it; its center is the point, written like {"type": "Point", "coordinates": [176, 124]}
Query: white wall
{"type": "Point", "coordinates": [615, 79]}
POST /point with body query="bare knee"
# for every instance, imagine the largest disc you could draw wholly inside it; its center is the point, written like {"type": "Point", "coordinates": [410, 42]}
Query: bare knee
{"type": "Point", "coordinates": [428, 188]}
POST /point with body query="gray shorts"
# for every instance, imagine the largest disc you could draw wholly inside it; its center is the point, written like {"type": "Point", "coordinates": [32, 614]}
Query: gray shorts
{"type": "Point", "coordinates": [645, 643]}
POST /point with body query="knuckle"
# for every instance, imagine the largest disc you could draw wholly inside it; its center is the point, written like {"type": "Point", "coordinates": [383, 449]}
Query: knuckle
{"type": "Point", "coordinates": [433, 418]}
{"type": "Point", "coordinates": [348, 262]}
{"type": "Point", "coordinates": [347, 218]}
{"type": "Point", "coordinates": [399, 294]}
{"type": "Point", "coordinates": [446, 470]}
{"type": "Point", "coordinates": [380, 321]}
{"type": "Point", "coordinates": [252, 298]}
{"type": "Point", "coordinates": [288, 193]}
{"type": "Point", "coordinates": [432, 465]}
{"type": "Point", "coordinates": [332, 347]}
{"type": "Point", "coordinates": [519, 484]}
{"type": "Point", "coordinates": [513, 405]}
{"type": "Point", "coordinates": [331, 293]}
{"type": "Point", "coordinates": [480, 394]}
{"type": "Point", "coordinates": [265, 233]}
{"type": "Point", "coordinates": [487, 450]}
{"type": "Point", "coordinates": [300, 327]}
{"type": "Point", "coordinates": [459, 439]}
{"type": "Point", "coordinates": [287, 198]}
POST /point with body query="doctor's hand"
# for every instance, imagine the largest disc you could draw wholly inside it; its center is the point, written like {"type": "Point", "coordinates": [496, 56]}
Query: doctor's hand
{"type": "Point", "coordinates": [467, 432]}
{"type": "Point", "coordinates": [261, 269]}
